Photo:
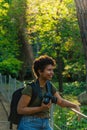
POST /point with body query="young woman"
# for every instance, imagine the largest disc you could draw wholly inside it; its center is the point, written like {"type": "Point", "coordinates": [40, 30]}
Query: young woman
{"type": "Point", "coordinates": [36, 114]}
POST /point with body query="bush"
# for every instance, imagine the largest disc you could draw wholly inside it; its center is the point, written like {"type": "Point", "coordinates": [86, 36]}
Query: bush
{"type": "Point", "coordinates": [74, 88]}
{"type": "Point", "coordinates": [67, 120]}
{"type": "Point", "coordinates": [10, 66]}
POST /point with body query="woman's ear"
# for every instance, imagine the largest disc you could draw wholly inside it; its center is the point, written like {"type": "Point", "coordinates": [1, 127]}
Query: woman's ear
{"type": "Point", "coordinates": [39, 71]}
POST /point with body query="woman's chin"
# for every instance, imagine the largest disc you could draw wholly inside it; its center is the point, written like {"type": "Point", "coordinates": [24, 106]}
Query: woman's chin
{"type": "Point", "coordinates": [50, 78]}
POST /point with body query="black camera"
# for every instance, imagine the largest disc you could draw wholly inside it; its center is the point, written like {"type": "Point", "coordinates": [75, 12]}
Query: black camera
{"type": "Point", "coordinates": [47, 97]}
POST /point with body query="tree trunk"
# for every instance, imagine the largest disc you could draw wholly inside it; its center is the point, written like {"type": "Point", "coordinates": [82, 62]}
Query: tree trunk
{"type": "Point", "coordinates": [18, 15]}
{"type": "Point", "coordinates": [26, 51]}
{"type": "Point", "coordinates": [59, 70]}
{"type": "Point", "coordinates": [81, 6]}
{"type": "Point", "coordinates": [26, 55]}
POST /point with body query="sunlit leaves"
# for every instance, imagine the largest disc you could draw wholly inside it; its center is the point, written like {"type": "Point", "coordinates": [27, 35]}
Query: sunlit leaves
{"type": "Point", "coordinates": [10, 66]}
{"type": "Point", "coordinates": [9, 49]}
{"type": "Point", "coordinates": [3, 8]}
{"type": "Point", "coordinates": [49, 25]}
{"type": "Point", "coordinates": [52, 25]}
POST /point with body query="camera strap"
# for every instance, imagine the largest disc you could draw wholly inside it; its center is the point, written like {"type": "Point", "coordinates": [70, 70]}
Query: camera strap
{"type": "Point", "coordinates": [39, 89]}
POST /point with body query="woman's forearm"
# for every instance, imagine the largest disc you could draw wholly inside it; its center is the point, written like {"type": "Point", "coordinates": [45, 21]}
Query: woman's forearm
{"type": "Point", "coordinates": [66, 103]}
{"type": "Point", "coordinates": [32, 110]}
{"type": "Point", "coordinates": [29, 110]}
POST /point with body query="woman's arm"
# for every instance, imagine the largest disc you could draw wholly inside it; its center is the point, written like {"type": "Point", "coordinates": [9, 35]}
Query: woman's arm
{"type": "Point", "coordinates": [24, 109]}
{"type": "Point", "coordinates": [65, 103]}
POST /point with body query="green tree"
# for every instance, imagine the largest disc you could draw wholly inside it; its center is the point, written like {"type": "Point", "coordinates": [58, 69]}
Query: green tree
{"type": "Point", "coordinates": [9, 49]}
{"type": "Point", "coordinates": [54, 26]}
{"type": "Point", "coordinates": [18, 13]}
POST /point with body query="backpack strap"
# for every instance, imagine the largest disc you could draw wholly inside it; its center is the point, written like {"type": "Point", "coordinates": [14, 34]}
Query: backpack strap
{"type": "Point", "coordinates": [49, 87]}
{"type": "Point", "coordinates": [35, 90]}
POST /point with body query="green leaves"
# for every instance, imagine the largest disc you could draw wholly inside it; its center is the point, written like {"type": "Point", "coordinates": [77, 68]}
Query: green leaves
{"type": "Point", "coordinates": [52, 29]}
{"type": "Point", "coordinates": [9, 49]}
{"type": "Point", "coordinates": [10, 66]}
{"type": "Point", "coordinates": [50, 26]}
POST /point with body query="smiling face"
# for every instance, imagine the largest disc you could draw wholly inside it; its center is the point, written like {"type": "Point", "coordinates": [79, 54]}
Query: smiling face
{"type": "Point", "coordinates": [43, 67]}
{"type": "Point", "coordinates": [47, 73]}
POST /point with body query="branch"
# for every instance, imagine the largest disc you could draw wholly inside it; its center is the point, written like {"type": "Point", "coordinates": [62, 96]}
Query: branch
{"type": "Point", "coordinates": [79, 113]}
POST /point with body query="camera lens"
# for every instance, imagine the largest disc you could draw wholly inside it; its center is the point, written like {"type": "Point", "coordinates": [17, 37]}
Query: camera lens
{"type": "Point", "coordinates": [46, 100]}
{"type": "Point", "coordinates": [47, 97]}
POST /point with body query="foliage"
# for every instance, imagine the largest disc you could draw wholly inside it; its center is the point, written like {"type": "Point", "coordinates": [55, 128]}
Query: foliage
{"type": "Point", "coordinates": [48, 25]}
{"type": "Point", "coordinates": [74, 88]}
{"type": "Point", "coordinates": [66, 119]}
{"type": "Point", "coordinates": [10, 66]}
{"type": "Point", "coordinates": [9, 49]}
{"type": "Point", "coordinates": [52, 25]}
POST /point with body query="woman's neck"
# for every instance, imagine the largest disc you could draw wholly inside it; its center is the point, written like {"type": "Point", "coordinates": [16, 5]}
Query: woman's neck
{"type": "Point", "coordinates": [42, 82]}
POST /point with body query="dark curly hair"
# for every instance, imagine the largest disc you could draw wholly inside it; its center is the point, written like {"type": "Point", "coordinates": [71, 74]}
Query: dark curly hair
{"type": "Point", "coordinates": [41, 62]}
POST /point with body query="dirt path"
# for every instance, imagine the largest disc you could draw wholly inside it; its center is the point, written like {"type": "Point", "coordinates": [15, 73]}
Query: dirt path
{"type": "Point", "coordinates": [3, 115]}
{"type": "Point", "coordinates": [4, 110]}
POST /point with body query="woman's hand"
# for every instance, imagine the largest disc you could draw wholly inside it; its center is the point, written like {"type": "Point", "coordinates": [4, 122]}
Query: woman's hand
{"type": "Point", "coordinates": [77, 108]}
{"type": "Point", "coordinates": [46, 106]}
